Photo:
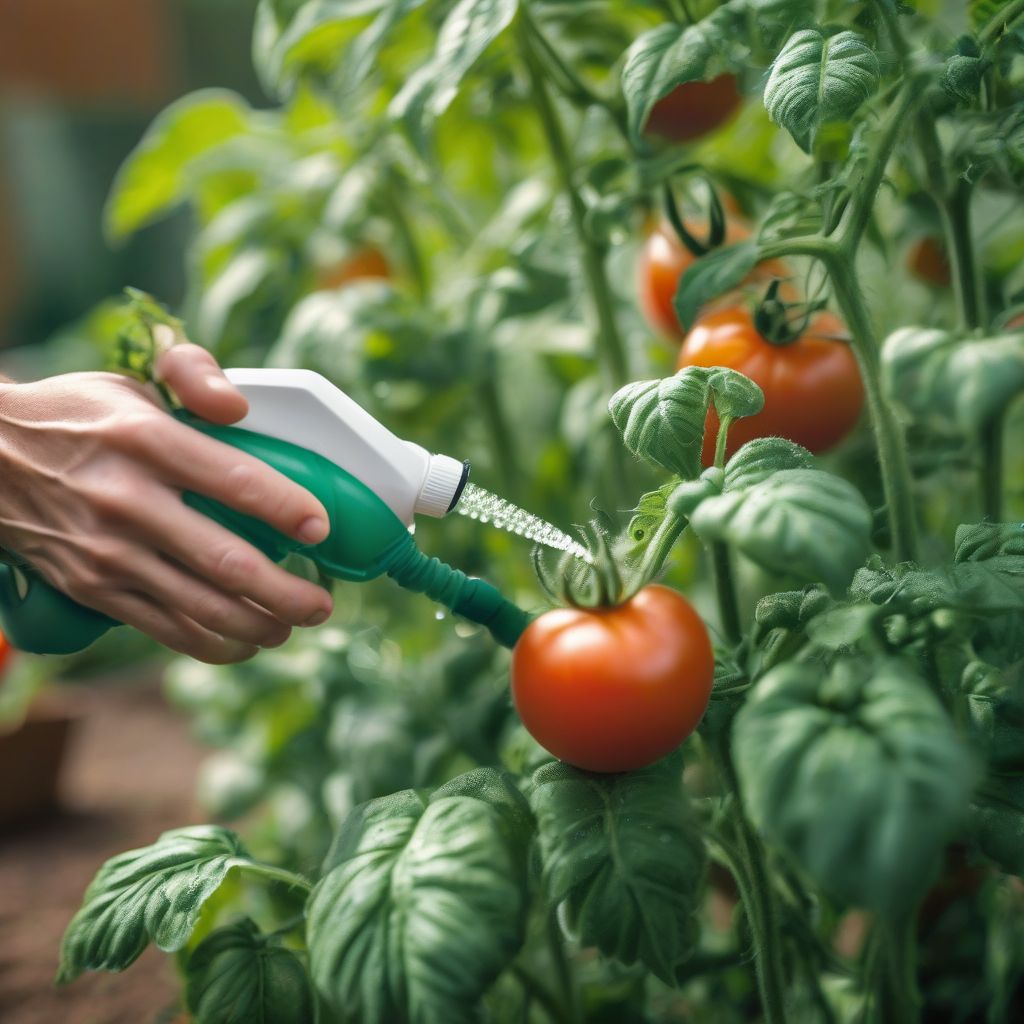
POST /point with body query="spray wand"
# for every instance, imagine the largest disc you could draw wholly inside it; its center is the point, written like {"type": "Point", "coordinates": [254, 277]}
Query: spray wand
{"type": "Point", "coordinates": [371, 483]}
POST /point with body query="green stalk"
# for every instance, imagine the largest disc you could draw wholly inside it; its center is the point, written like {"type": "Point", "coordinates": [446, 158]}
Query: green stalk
{"type": "Point", "coordinates": [758, 899]}
{"type": "Point", "coordinates": [955, 211]}
{"type": "Point", "coordinates": [661, 545]}
{"type": "Point", "coordinates": [274, 874]}
{"type": "Point", "coordinates": [891, 971]}
{"type": "Point", "coordinates": [992, 438]}
{"type": "Point", "coordinates": [892, 453]}
{"type": "Point", "coordinates": [610, 349]}
{"type": "Point", "coordinates": [1002, 21]}
{"type": "Point", "coordinates": [721, 564]}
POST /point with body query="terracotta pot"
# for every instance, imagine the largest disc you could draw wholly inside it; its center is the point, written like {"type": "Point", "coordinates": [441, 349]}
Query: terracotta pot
{"type": "Point", "coordinates": [31, 757]}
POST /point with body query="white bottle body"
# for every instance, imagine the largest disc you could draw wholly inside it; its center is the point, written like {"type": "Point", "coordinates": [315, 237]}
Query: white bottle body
{"type": "Point", "coordinates": [306, 409]}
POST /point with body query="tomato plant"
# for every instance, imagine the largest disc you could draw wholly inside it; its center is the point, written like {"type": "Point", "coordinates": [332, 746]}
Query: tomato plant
{"type": "Point", "coordinates": [811, 383]}
{"type": "Point", "coordinates": [613, 689]}
{"type": "Point", "coordinates": [410, 851]}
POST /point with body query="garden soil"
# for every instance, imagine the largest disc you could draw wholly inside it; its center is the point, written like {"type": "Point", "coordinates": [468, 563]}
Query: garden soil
{"type": "Point", "coordinates": [130, 774]}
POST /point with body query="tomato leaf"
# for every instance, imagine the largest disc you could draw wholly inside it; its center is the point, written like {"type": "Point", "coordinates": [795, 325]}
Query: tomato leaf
{"type": "Point", "coordinates": [309, 43]}
{"type": "Point", "coordinates": [759, 459]}
{"type": "Point", "coordinates": [993, 586]}
{"type": "Point", "coordinates": [938, 376]}
{"type": "Point", "coordinates": [236, 976]}
{"type": "Point", "coordinates": [649, 513]}
{"type": "Point", "coordinates": [997, 820]}
{"type": "Point", "coordinates": [994, 699]}
{"type": "Point", "coordinates": [734, 394]}
{"type": "Point", "coordinates": [796, 522]}
{"type": "Point", "coordinates": [978, 542]}
{"type": "Point", "coordinates": [711, 276]}
{"type": "Point", "coordinates": [153, 894]}
{"type": "Point", "coordinates": [157, 174]}
{"type": "Point", "coordinates": [422, 903]}
{"type": "Point", "coordinates": [469, 29]}
{"type": "Point", "coordinates": [817, 79]}
{"type": "Point", "coordinates": [663, 420]}
{"type": "Point", "coordinates": [857, 772]}
{"type": "Point", "coordinates": [668, 56]}
{"type": "Point", "coordinates": [622, 855]}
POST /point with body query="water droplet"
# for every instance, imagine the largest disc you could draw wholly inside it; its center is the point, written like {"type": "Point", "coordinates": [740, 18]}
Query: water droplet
{"type": "Point", "coordinates": [439, 615]}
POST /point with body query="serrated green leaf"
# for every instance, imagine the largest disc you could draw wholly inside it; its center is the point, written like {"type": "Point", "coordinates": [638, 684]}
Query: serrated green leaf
{"type": "Point", "coordinates": [994, 698]}
{"type": "Point", "coordinates": [235, 976]}
{"type": "Point", "coordinates": [759, 459]}
{"type": "Point", "coordinates": [977, 542]}
{"type": "Point", "coordinates": [153, 894]}
{"type": "Point", "coordinates": [710, 276]}
{"type": "Point", "coordinates": [469, 29]}
{"type": "Point", "coordinates": [622, 853]}
{"type": "Point", "coordinates": [857, 772]}
{"type": "Point", "coordinates": [817, 79]}
{"type": "Point", "coordinates": [972, 588]}
{"type": "Point", "coordinates": [422, 904]}
{"type": "Point", "coordinates": [155, 176]}
{"type": "Point", "coordinates": [997, 821]}
{"type": "Point", "coordinates": [668, 56]}
{"type": "Point", "coordinates": [796, 522]}
{"type": "Point", "coordinates": [734, 394]}
{"type": "Point", "coordinates": [663, 420]}
{"type": "Point", "coordinates": [936, 375]}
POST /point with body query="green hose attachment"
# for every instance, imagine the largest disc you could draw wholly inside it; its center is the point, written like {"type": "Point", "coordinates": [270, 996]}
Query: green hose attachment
{"type": "Point", "coordinates": [366, 541]}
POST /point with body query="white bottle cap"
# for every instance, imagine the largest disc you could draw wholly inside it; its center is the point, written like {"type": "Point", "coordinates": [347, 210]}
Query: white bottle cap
{"type": "Point", "coordinates": [442, 486]}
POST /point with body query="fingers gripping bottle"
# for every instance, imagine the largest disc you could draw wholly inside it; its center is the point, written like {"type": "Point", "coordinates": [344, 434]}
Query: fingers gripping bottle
{"type": "Point", "coordinates": [372, 484]}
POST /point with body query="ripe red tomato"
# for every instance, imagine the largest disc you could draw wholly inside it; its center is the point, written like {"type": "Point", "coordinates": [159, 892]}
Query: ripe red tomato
{"type": "Point", "coordinates": [812, 388]}
{"type": "Point", "coordinates": [367, 262]}
{"type": "Point", "coordinates": [614, 689]}
{"type": "Point", "coordinates": [5, 652]}
{"type": "Point", "coordinates": [694, 109]}
{"type": "Point", "coordinates": [664, 259]}
{"type": "Point", "coordinates": [926, 260]}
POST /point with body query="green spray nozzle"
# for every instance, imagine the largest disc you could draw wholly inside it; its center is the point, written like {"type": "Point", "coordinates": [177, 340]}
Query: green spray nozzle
{"type": "Point", "coordinates": [367, 540]}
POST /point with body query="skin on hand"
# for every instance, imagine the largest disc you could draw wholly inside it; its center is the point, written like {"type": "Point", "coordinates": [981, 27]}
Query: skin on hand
{"type": "Point", "coordinates": [93, 472]}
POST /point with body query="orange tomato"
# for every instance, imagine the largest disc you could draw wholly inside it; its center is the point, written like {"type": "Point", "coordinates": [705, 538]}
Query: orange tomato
{"type": "Point", "coordinates": [812, 388]}
{"type": "Point", "coordinates": [364, 263]}
{"type": "Point", "coordinates": [614, 689]}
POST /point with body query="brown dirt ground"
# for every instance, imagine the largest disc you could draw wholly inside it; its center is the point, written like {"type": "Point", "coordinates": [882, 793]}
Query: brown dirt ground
{"type": "Point", "coordinates": [130, 774]}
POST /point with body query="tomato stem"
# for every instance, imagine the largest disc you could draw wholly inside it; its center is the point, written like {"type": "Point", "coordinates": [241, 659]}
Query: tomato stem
{"type": "Point", "coordinates": [1001, 22]}
{"type": "Point", "coordinates": [274, 874]}
{"type": "Point", "coordinates": [664, 539]}
{"type": "Point", "coordinates": [992, 441]}
{"type": "Point", "coordinates": [721, 563]}
{"type": "Point", "coordinates": [757, 896]}
{"type": "Point", "coordinates": [892, 454]}
{"type": "Point", "coordinates": [610, 348]}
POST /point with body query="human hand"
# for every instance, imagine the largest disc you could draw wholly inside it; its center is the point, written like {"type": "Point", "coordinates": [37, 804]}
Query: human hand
{"type": "Point", "coordinates": [93, 470]}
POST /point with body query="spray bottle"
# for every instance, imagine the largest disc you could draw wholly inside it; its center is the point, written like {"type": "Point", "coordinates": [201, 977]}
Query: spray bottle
{"type": "Point", "coordinates": [372, 484]}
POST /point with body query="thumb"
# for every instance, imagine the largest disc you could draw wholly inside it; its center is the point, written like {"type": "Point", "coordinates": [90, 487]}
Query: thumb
{"type": "Point", "coordinates": [197, 379]}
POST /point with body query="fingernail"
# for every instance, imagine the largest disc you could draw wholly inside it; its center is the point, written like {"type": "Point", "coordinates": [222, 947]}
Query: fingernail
{"type": "Point", "coordinates": [318, 618]}
{"type": "Point", "coordinates": [313, 530]}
